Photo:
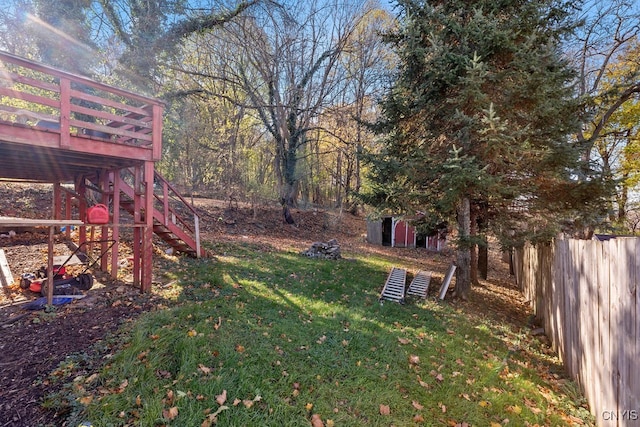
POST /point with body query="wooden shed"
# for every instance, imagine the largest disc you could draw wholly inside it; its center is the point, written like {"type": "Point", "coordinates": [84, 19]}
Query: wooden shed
{"type": "Point", "coordinates": [398, 232]}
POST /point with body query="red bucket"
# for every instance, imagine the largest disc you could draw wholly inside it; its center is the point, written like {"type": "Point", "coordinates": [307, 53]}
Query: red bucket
{"type": "Point", "coordinates": [98, 214]}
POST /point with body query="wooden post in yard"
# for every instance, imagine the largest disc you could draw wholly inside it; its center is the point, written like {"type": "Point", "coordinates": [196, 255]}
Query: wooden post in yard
{"type": "Point", "coordinates": [115, 231]}
{"type": "Point", "coordinates": [104, 230]}
{"type": "Point", "coordinates": [147, 232]}
{"type": "Point", "coordinates": [137, 229]}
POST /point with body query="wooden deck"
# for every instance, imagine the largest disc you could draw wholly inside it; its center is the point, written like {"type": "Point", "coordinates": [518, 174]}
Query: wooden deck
{"type": "Point", "coordinates": [55, 126]}
{"type": "Point", "coordinates": [60, 128]}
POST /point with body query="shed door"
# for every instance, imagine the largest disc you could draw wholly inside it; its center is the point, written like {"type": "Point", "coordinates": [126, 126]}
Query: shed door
{"type": "Point", "coordinates": [387, 229]}
{"type": "Point", "coordinates": [405, 235]}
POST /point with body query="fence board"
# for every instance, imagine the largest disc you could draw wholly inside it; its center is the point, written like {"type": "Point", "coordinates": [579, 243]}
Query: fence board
{"type": "Point", "coordinates": [586, 295]}
{"type": "Point", "coordinates": [634, 383]}
{"type": "Point", "coordinates": [582, 317]}
{"type": "Point", "coordinates": [614, 318]}
{"type": "Point", "coordinates": [627, 356]}
{"type": "Point", "coordinates": [590, 319]}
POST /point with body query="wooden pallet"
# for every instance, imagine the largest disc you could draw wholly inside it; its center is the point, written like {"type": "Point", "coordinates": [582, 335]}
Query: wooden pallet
{"type": "Point", "coordinates": [395, 285]}
{"type": "Point", "coordinates": [420, 284]}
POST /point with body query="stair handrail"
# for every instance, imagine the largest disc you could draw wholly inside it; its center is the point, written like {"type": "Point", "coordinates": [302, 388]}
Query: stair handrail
{"type": "Point", "coordinates": [165, 204]}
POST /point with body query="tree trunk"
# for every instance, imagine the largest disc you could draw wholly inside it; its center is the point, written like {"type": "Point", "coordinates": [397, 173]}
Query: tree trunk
{"type": "Point", "coordinates": [483, 260]}
{"type": "Point", "coordinates": [623, 199]}
{"type": "Point", "coordinates": [463, 270]}
{"type": "Point", "coordinates": [473, 249]}
{"type": "Point", "coordinates": [483, 248]}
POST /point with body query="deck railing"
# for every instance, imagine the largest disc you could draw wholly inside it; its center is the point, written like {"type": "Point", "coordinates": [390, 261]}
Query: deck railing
{"type": "Point", "coordinates": [36, 95]}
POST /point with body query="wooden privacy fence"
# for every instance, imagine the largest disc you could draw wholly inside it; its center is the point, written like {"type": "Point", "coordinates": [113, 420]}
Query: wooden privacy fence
{"type": "Point", "coordinates": [585, 294]}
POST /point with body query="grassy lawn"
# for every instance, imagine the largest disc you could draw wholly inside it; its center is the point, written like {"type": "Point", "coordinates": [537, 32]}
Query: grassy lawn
{"type": "Point", "coordinates": [261, 337]}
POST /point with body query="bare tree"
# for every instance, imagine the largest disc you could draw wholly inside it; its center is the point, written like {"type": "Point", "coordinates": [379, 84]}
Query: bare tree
{"type": "Point", "coordinates": [287, 60]}
{"type": "Point", "coordinates": [609, 28]}
{"type": "Point", "coordinates": [368, 65]}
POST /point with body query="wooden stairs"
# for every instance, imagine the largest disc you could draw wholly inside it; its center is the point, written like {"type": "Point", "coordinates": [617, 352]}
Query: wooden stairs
{"type": "Point", "coordinates": [170, 216]}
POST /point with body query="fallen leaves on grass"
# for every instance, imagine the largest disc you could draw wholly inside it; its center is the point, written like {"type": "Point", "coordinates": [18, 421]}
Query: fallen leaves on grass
{"type": "Point", "coordinates": [204, 369]}
{"type": "Point", "coordinates": [248, 403]}
{"type": "Point", "coordinates": [222, 397]}
{"type": "Point", "coordinates": [316, 421]}
{"type": "Point", "coordinates": [414, 360]}
{"type": "Point", "coordinates": [423, 383]}
{"type": "Point", "coordinates": [86, 400]}
{"type": "Point", "coordinates": [213, 418]}
{"type": "Point", "coordinates": [514, 409]}
{"type": "Point", "coordinates": [385, 410]}
{"type": "Point", "coordinates": [438, 376]}
{"type": "Point", "coordinates": [122, 386]}
{"type": "Point", "coordinates": [170, 414]}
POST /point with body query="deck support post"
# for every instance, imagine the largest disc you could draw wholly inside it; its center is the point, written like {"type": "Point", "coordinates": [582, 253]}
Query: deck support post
{"type": "Point", "coordinates": [147, 230]}
{"type": "Point", "coordinates": [114, 180]}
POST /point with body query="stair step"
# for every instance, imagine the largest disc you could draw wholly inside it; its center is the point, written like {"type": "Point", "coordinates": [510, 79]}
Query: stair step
{"type": "Point", "coordinates": [177, 237]}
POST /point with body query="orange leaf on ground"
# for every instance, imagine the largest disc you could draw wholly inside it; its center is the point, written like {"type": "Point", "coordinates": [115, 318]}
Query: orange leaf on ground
{"type": "Point", "coordinates": [122, 386]}
{"type": "Point", "coordinates": [417, 405]}
{"type": "Point", "coordinates": [385, 410]}
{"type": "Point", "coordinates": [316, 421]}
{"type": "Point", "coordinates": [221, 398]}
{"type": "Point", "coordinates": [422, 383]}
{"type": "Point", "coordinates": [171, 413]}
{"type": "Point", "coordinates": [169, 399]}
{"type": "Point", "coordinates": [204, 369]}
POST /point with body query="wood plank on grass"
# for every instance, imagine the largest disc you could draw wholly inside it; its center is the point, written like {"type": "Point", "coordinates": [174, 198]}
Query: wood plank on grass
{"type": "Point", "coordinates": [447, 281]}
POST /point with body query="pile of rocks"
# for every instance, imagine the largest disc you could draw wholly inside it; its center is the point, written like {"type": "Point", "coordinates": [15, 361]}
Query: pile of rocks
{"type": "Point", "coordinates": [326, 250]}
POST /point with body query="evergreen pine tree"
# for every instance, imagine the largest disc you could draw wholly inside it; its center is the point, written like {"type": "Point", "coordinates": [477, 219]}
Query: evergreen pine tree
{"type": "Point", "coordinates": [478, 121]}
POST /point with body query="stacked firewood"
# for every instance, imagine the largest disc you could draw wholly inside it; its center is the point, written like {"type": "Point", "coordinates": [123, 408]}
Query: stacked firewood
{"type": "Point", "coordinates": [326, 250]}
